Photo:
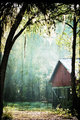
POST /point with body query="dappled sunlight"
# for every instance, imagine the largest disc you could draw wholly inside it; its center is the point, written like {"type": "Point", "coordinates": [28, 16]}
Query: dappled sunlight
{"type": "Point", "coordinates": [37, 114]}
{"type": "Point", "coordinates": [18, 112]}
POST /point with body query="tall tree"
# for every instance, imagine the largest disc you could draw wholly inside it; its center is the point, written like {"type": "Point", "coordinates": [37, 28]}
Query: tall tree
{"type": "Point", "coordinates": [73, 22]}
{"type": "Point", "coordinates": [72, 12]}
{"type": "Point", "coordinates": [5, 9]}
{"type": "Point", "coordinates": [9, 43]}
{"type": "Point", "coordinates": [73, 78]}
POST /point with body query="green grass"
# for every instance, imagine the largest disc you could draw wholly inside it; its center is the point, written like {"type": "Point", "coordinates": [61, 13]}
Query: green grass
{"type": "Point", "coordinates": [29, 105]}
{"type": "Point", "coordinates": [35, 106]}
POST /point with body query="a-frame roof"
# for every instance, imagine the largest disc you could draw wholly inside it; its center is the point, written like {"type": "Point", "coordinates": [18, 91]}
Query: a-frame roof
{"type": "Point", "coordinates": [66, 63]}
{"type": "Point", "coordinates": [55, 70]}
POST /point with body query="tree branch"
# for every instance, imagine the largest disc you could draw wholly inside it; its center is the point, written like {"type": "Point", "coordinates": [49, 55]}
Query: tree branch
{"type": "Point", "coordinates": [27, 23]}
{"type": "Point", "coordinates": [14, 28]}
{"type": "Point", "coordinates": [68, 25]}
{"type": "Point", "coordinates": [78, 21]}
{"type": "Point", "coordinates": [78, 31]}
{"type": "Point", "coordinates": [20, 32]}
{"type": "Point", "coordinates": [65, 23]}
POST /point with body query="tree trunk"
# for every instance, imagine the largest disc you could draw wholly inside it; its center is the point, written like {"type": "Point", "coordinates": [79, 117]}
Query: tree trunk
{"type": "Point", "coordinates": [0, 42]}
{"type": "Point", "coordinates": [8, 46]}
{"type": "Point", "coordinates": [75, 99]}
{"type": "Point", "coordinates": [73, 63]}
{"type": "Point", "coordinates": [3, 67]}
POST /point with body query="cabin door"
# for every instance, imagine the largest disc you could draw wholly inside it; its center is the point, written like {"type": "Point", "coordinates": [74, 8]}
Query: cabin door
{"type": "Point", "coordinates": [56, 95]}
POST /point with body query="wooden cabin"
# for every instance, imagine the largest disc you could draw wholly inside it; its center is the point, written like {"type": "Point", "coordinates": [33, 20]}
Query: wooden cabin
{"type": "Point", "coordinates": [61, 84]}
{"type": "Point", "coordinates": [61, 76]}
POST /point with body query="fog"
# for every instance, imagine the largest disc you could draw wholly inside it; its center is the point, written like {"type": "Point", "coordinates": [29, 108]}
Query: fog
{"type": "Point", "coordinates": [31, 63]}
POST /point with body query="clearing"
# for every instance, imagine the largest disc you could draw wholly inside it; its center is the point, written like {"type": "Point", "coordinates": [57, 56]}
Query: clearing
{"type": "Point", "coordinates": [35, 111]}
{"type": "Point", "coordinates": [38, 115]}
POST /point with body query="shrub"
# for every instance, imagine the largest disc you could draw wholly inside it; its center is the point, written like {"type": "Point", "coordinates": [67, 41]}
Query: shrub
{"type": "Point", "coordinates": [7, 115]}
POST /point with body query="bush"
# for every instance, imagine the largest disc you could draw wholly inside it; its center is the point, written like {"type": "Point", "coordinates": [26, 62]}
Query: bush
{"type": "Point", "coordinates": [6, 115]}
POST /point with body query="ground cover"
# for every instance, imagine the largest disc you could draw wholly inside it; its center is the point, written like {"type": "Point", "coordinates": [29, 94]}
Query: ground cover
{"type": "Point", "coordinates": [35, 111]}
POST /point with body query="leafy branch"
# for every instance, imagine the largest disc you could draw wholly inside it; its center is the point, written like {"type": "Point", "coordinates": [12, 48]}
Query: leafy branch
{"type": "Point", "coordinates": [20, 32]}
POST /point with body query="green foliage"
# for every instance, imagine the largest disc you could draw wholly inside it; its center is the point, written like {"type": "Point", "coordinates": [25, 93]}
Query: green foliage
{"type": "Point", "coordinates": [38, 107]}
{"type": "Point", "coordinates": [61, 112]}
{"type": "Point", "coordinates": [28, 106]}
{"type": "Point", "coordinates": [7, 115]}
{"type": "Point", "coordinates": [78, 90]}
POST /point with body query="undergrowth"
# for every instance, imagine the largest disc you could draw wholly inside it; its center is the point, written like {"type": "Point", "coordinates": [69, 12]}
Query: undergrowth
{"type": "Point", "coordinates": [7, 115]}
{"type": "Point", "coordinates": [34, 106]}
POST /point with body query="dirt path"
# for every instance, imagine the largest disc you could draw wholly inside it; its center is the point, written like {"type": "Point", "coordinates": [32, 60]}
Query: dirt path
{"type": "Point", "coordinates": [37, 115]}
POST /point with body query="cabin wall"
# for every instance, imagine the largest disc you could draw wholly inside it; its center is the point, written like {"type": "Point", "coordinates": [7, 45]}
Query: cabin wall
{"type": "Point", "coordinates": [61, 97]}
{"type": "Point", "coordinates": [62, 77]}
